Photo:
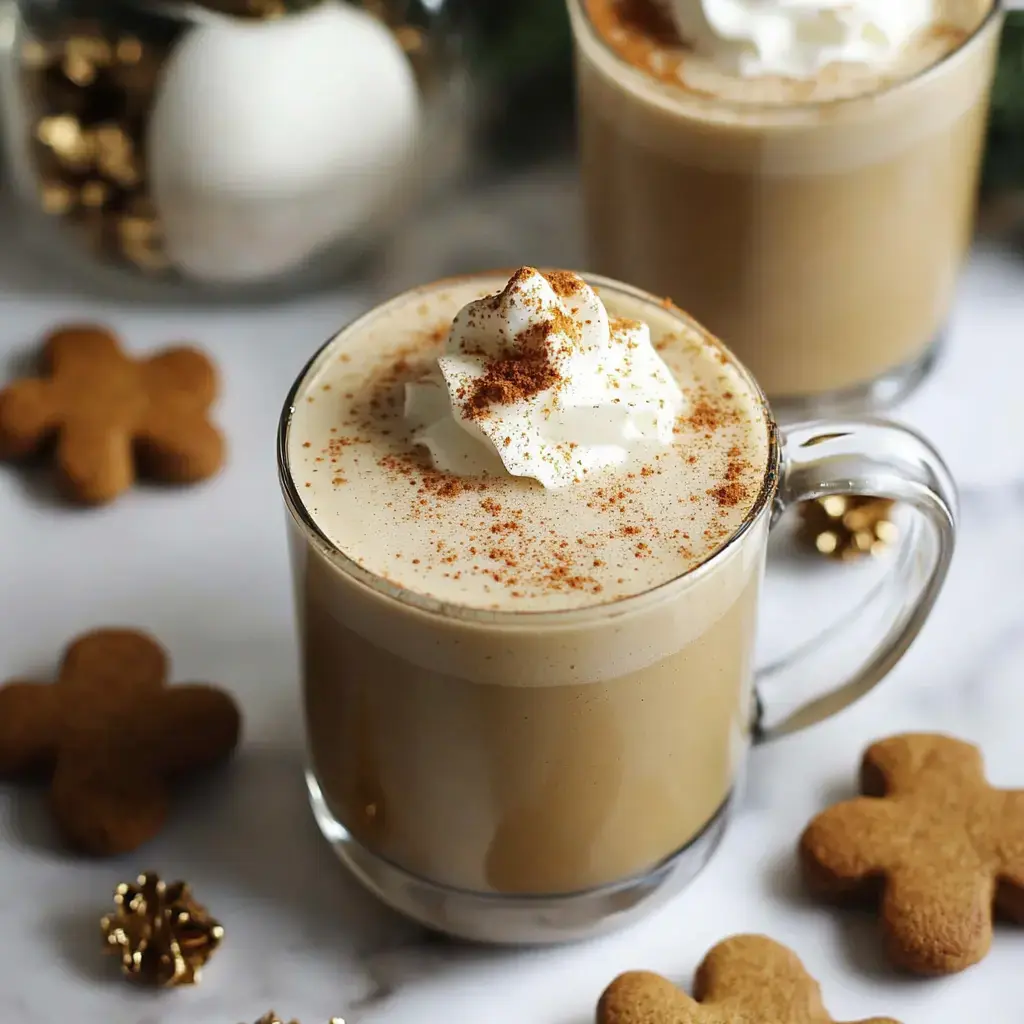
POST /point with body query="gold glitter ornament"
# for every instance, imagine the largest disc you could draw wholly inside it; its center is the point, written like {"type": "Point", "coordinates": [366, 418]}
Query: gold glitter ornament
{"type": "Point", "coordinates": [847, 527]}
{"type": "Point", "coordinates": [161, 934]}
{"type": "Point", "coordinates": [64, 137]}
{"type": "Point", "coordinates": [93, 90]}
{"type": "Point", "coordinates": [56, 197]}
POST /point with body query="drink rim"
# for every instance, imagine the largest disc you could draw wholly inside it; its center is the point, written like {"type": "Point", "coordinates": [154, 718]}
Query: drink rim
{"type": "Point", "coordinates": [579, 14]}
{"type": "Point", "coordinates": [433, 606]}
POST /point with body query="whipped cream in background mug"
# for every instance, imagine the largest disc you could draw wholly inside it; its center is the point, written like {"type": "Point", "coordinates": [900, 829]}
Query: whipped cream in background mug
{"type": "Point", "coordinates": [528, 707]}
{"type": "Point", "coordinates": [797, 38]}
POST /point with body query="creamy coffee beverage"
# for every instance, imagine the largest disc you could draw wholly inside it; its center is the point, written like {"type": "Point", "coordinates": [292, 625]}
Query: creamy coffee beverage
{"type": "Point", "coordinates": [800, 177]}
{"type": "Point", "coordinates": [535, 524]}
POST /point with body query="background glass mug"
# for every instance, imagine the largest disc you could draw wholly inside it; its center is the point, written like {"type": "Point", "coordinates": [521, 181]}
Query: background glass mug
{"type": "Point", "coordinates": [820, 241]}
{"type": "Point", "coordinates": [532, 776]}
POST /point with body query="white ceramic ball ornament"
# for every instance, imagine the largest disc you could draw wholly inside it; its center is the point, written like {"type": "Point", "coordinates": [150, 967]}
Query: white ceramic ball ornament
{"type": "Point", "coordinates": [270, 140]}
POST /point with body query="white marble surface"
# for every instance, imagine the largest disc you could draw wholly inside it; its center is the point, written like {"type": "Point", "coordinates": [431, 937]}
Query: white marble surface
{"type": "Point", "coordinates": [205, 570]}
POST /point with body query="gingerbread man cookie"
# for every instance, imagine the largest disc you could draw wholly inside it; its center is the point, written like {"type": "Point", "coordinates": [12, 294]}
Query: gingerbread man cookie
{"type": "Point", "coordinates": [748, 979]}
{"type": "Point", "coordinates": [113, 737]}
{"type": "Point", "coordinates": [943, 848]}
{"type": "Point", "coordinates": [113, 416]}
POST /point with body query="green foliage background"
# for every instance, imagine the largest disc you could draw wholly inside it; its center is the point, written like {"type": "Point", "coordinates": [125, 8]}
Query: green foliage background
{"type": "Point", "coordinates": [515, 41]}
{"type": "Point", "coordinates": [522, 53]}
{"type": "Point", "coordinates": [1004, 159]}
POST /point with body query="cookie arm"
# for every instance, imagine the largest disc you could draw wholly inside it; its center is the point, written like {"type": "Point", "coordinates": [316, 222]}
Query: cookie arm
{"type": "Point", "coordinates": [29, 729]}
{"type": "Point", "coordinates": [183, 372]}
{"type": "Point", "coordinates": [845, 848]}
{"type": "Point", "coordinates": [177, 444]}
{"type": "Point", "coordinates": [29, 416]}
{"type": "Point", "coordinates": [191, 727]}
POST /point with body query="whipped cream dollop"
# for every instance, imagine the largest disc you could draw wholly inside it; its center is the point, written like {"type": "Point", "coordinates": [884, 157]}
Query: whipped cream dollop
{"type": "Point", "coordinates": [537, 381]}
{"type": "Point", "coordinates": [797, 38]}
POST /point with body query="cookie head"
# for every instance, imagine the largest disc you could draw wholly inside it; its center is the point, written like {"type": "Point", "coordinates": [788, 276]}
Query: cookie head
{"type": "Point", "coordinates": [747, 979]}
{"type": "Point", "coordinates": [932, 843]}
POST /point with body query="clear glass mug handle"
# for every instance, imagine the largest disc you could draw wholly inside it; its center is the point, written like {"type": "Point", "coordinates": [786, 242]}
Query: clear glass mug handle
{"type": "Point", "coordinates": [882, 459]}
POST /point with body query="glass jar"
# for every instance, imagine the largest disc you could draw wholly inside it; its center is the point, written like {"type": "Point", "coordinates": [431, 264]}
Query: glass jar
{"type": "Point", "coordinates": [225, 148]}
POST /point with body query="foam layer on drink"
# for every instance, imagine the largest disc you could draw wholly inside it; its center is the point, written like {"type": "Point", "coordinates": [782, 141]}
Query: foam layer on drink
{"type": "Point", "coordinates": [503, 542]}
{"type": "Point", "coordinates": [642, 33]}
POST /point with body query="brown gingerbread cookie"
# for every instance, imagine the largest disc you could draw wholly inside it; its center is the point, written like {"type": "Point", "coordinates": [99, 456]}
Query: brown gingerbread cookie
{"type": "Point", "coordinates": [932, 842]}
{"type": "Point", "coordinates": [114, 416]}
{"type": "Point", "coordinates": [748, 979]}
{"type": "Point", "coordinates": [113, 737]}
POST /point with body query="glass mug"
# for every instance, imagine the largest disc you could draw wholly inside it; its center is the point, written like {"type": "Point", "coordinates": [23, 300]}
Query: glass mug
{"type": "Point", "coordinates": [537, 776]}
{"type": "Point", "coordinates": [821, 240]}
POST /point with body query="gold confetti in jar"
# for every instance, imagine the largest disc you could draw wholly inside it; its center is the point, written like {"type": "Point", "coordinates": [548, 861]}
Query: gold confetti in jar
{"type": "Point", "coordinates": [847, 527]}
{"type": "Point", "coordinates": [227, 147]}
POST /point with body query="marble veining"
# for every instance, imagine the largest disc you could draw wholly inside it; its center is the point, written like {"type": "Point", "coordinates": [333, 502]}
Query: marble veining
{"type": "Point", "coordinates": [206, 571]}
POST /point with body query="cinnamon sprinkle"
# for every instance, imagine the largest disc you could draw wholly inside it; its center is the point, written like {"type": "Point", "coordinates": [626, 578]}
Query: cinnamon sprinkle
{"type": "Point", "coordinates": [509, 380]}
{"type": "Point", "coordinates": [509, 549]}
{"type": "Point", "coordinates": [564, 283]}
{"type": "Point", "coordinates": [523, 373]}
{"type": "Point", "coordinates": [450, 488]}
{"type": "Point", "coordinates": [729, 495]}
{"type": "Point", "coordinates": [732, 491]}
{"type": "Point", "coordinates": [704, 416]}
{"type": "Point", "coordinates": [642, 34]}
{"type": "Point", "coordinates": [621, 324]}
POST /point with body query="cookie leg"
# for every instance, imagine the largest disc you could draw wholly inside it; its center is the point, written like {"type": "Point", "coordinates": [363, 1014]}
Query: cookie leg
{"type": "Point", "coordinates": [94, 462]}
{"type": "Point", "coordinates": [940, 923]}
{"type": "Point", "coordinates": [106, 807]}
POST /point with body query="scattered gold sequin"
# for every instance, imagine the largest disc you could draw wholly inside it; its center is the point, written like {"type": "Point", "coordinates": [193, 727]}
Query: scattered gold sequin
{"type": "Point", "coordinates": [847, 527]}
{"type": "Point", "coordinates": [163, 937]}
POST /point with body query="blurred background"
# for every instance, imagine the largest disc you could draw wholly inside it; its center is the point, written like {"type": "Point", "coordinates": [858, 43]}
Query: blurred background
{"type": "Point", "coordinates": [230, 150]}
{"type": "Point", "coordinates": [239, 150]}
